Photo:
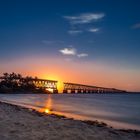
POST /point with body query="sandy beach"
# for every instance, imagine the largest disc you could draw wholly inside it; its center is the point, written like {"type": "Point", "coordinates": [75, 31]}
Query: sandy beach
{"type": "Point", "coordinates": [19, 123]}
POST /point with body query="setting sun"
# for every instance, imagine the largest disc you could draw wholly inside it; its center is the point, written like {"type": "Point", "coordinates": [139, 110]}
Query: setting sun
{"type": "Point", "coordinates": [60, 86]}
{"type": "Point", "coordinates": [54, 77]}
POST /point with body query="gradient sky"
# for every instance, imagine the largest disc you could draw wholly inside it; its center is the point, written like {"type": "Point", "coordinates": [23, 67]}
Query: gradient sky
{"type": "Point", "coordinates": [94, 42]}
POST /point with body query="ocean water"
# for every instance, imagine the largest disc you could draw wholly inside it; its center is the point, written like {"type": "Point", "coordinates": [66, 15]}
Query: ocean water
{"type": "Point", "coordinates": [117, 110]}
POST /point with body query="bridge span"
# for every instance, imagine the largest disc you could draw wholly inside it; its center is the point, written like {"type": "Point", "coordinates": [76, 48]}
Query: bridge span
{"type": "Point", "coordinates": [68, 87]}
{"type": "Point", "coordinates": [80, 88]}
{"type": "Point", "coordinates": [46, 84]}
{"type": "Point", "coordinates": [39, 83]}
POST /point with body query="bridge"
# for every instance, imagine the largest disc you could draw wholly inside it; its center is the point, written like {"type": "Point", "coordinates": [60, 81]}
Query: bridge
{"type": "Point", "coordinates": [39, 83]}
{"type": "Point", "coordinates": [79, 88]}
{"type": "Point", "coordinates": [47, 84]}
{"type": "Point", "coordinates": [68, 87]}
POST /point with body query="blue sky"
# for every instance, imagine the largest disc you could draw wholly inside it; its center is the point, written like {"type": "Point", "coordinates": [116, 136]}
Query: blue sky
{"type": "Point", "coordinates": [106, 31]}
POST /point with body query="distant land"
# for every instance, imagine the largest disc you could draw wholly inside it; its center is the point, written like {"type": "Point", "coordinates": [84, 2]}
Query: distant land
{"type": "Point", "coordinates": [10, 83]}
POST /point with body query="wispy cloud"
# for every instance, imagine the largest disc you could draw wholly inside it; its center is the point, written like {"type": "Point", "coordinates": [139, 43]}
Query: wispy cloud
{"type": "Point", "coordinates": [85, 18]}
{"type": "Point", "coordinates": [82, 23]}
{"type": "Point", "coordinates": [68, 51]}
{"type": "Point", "coordinates": [82, 55]}
{"type": "Point", "coordinates": [75, 32]}
{"type": "Point", "coordinates": [136, 26]}
{"type": "Point", "coordinates": [93, 30]}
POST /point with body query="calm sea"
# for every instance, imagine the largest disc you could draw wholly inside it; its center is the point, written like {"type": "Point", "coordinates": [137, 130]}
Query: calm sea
{"type": "Point", "coordinates": [117, 110]}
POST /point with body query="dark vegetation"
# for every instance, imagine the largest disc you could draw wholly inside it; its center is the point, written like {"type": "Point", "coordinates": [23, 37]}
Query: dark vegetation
{"type": "Point", "coordinates": [16, 83]}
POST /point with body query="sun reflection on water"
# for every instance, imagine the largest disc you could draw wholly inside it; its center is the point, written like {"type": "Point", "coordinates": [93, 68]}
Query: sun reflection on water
{"type": "Point", "coordinates": [47, 111]}
{"type": "Point", "coordinates": [48, 105]}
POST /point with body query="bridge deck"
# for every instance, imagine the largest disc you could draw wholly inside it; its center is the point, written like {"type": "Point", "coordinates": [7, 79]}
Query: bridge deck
{"type": "Point", "coordinates": [74, 87]}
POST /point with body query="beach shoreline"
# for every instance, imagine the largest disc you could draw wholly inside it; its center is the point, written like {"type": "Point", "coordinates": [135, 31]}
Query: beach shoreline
{"type": "Point", "coordinates": [19, 123]}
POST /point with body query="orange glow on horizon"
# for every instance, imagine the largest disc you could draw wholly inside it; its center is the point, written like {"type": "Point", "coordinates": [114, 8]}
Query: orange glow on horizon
{"type": "Point", "coordinates": [89, 73]}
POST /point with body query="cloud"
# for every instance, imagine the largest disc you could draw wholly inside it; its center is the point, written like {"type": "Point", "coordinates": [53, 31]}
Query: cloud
{"type": "Point", "coordinates": [136, 26]}
{"type": "Point", "coordinates": [82, 23]}
{"type": "Point", "coordinates": [68, 51]}
{"type": "Point", "coordinates": [73, 52]}
{"type": "Point", "coordinates": [93, 30]}
{"type": "Point", "coordinates": [85, 18]}
{"type": "Point", "coordinates": [75, 32]}
{"type": "Point", "coordinates": [82, 55]}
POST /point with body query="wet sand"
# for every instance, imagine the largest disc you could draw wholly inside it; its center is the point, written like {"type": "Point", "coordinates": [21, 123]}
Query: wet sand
{"type": "Point", "coordinates": [19, 123]}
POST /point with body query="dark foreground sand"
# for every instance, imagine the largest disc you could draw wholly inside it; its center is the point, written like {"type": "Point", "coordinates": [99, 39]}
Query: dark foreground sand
{"type": "Point", "coordinates": [18, 123]}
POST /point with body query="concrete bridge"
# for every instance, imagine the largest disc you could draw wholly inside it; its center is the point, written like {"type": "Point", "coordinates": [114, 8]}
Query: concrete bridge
{"type": "Point", "coordinates": [39, 83]}
{"type": "Point", "coordinates": [47, 84]}
{"type": "Point", "coordinates": [68, 87]}
{"type": "Point", "coordinates": [79, 88]}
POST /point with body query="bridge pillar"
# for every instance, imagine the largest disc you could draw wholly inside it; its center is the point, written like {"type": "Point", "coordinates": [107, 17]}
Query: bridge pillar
{"type": "Point", "coordinates": [65, 91]}
{"type": "Point", "coordinates": [72, 91]}
{"type": "Point", "coordinates": [84, 91]}
{"type": "Point", "coordinates": [79, 91]}
{"type": "Point", "coordinates": [99, 91]}
{"type": "Point", "coordinates": [55, 91]}
{"type": "Point", "coordinates": [89, 91]}
{"type": "Point", "coordinates": [103, 91]}
{"type": "Point", "coordinates": [94, 91]}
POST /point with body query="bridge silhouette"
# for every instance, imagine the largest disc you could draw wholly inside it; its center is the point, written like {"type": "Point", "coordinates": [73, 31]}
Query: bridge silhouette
{"type": "Point", "coordinates": [44, 84]}
{"type": "Point", "coordinates": [80, 88]}
{"type": "Point", "coordinates": [68, 87]}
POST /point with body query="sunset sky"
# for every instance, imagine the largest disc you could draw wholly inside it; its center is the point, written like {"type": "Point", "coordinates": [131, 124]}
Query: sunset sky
{"type": "Point", "coordinates": [94, 42]}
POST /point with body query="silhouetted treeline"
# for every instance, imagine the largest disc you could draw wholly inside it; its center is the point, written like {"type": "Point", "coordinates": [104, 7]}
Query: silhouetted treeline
{"type": "Point", "coordinates": [17, 83]}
